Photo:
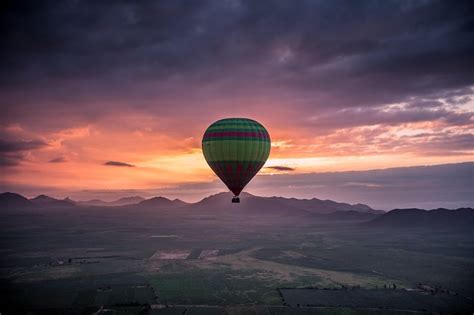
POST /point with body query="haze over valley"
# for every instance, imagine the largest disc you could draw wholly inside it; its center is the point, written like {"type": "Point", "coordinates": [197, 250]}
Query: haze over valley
{"type": "Point", "coordinates": [282, 254]}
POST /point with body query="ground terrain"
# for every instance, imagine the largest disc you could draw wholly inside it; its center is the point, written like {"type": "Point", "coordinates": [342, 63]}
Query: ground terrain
{"type": "Point", "coordinates": [229, 263]}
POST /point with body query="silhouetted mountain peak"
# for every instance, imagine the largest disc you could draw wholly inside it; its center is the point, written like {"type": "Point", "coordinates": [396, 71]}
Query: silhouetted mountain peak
{"type": "Point", "coordinates": [413, 217]}
{"type": "Point", "coordinates": [276, 205]}
{"type": "Point", "coordinates": [67, 199]}
{"type": "Point", "coordinates": [161, 202]}
{"type": "Point", "coordinates": [44, 200]}
{"type": "Point", "coordinates": [125, 201]}
{"type": "Point", "coordinates": [363, 207]}
{"type": "Point", "coordinates": [11, 196]}
{"type": "Point", "coordinates": [10, 200]}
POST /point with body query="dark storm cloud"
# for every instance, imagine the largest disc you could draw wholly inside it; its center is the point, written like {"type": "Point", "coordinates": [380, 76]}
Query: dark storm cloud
{"type": "Point", "coordinates": [444, 143]}
{"type": "Point", "coordinates": [425, 104]}
{"type": "Point", "coordinates": [314, 67]}
{"type": "Point", "coordinates": [117, 163]}
{"type": "Point", "coordinates": [280, 168]}
{"type": "Point", "coordinates": [12, 152]}
{"type": "Point", "coordinates": [337, 53]}
{"type": "Point", "coordinates": [11, 159]}
{"type": "Point", "coordinates": [7, 146]}
{"type": "Point", "coordinates": [60, 159]}
{"type": "Point", "coordinates": [353, 117]}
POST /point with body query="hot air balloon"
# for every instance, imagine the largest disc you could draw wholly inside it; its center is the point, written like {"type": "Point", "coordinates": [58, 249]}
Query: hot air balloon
{"type": "Point", "coordinates": [236, 149]}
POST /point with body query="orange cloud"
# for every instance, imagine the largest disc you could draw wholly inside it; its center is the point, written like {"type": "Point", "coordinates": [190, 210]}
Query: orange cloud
{"type": "Point", "coordinates": [167, 150]}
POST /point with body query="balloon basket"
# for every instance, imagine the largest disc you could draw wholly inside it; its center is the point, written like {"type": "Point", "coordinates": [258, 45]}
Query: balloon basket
{"type": "Point", "coordinates": [236, 200]}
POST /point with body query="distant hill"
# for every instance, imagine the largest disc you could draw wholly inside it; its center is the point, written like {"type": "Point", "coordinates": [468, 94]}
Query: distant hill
{"type": "Point", "coordinates": [127, 201]}
{"type": "Point", "coordinates": [277, 205]}
{"type": "Point", "coordinates": [254, 205]}
{"type": "Point", "coordinates": [321, 206]}
{"type": "Point", "coordinates": [462, 217]}
{"type": "Point", "coordinates": [49, 202]}
{"type": "Point", "coordinates": [366, 208]}
{"type": "Point", "coordinates": [161, 203]}
{"type": "Point", "coordinates": [119, 202]}
{"type": "Point", "coordinates": [250, 205]}
{"type": "Point", "coordinates": [12, 201]}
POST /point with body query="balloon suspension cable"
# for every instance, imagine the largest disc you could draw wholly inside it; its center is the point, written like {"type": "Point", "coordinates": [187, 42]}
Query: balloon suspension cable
{"type": "Point", "coordinates": [235, 199]}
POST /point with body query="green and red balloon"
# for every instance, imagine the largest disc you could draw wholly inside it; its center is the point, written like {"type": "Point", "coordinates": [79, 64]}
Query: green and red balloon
{"type": "Point", "coordinates": [236, 149]}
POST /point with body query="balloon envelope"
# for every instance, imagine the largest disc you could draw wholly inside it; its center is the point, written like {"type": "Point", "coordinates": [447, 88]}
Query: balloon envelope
{"type": "Point", "coordinates": [236, 149]}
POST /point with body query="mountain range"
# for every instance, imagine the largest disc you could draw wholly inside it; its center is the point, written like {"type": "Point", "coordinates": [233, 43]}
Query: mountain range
{"type": "Point", "coordinates": [12, 203]}
{"type": "Point", "coordinates": [250, 204]}
{"type": "Point", "coordinates": [213, 202]}
{"type": "Point", "coordinates": [119, 202]}
{"type": "Point", "coordinates": [436, 218]}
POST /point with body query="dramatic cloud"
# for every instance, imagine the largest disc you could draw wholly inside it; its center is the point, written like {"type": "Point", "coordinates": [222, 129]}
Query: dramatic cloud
{"type": "Point", "coordinates": [280, 168]}
{"type": "Point", "coordinates": [314, 55]}
{"type": "Point", "coordinates": [13, 152]}
{"type": "Point", "coordinates": [354, 117]}
{"type": "Point", "coordinates": [116, 163]}
{"type": "Point", "coordinates": [60, 159]}
{"type": "Point", "coordinates": [7, 146]}
{"type": "Point", "coordinates": [340, 85]}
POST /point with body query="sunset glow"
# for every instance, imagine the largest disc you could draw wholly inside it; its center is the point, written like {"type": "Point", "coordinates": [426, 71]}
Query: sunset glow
{"type": "Point", "coordinates": [81, 121]}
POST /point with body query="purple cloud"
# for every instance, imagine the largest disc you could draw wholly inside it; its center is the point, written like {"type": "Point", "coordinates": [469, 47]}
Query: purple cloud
{"type": "Point", "coordinates": [60, 159]}
{"type": "Point", "coordinates": [280, 168]}
{"type": "Point", "coordinates": [326, 57]}
{"type": "Point", "coordinates": [12, 152]}
{"type": "Point", "coordinates": [117, 163]}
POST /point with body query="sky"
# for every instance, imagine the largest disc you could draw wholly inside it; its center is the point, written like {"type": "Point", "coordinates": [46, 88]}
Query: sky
{"type": "Point", "coordinates": [115, 96]}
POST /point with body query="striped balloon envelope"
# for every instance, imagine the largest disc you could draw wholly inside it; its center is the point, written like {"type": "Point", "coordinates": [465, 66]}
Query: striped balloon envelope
{"type": "Point", "coordinates": [236, 149]}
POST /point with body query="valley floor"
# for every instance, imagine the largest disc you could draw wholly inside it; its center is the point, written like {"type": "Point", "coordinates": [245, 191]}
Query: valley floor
{"type": "Point", "coordinates": [183, 263]}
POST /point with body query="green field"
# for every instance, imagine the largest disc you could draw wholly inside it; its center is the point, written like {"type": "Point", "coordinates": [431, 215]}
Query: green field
{"type": "Point", "coordinates": [224, 262]}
